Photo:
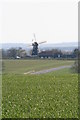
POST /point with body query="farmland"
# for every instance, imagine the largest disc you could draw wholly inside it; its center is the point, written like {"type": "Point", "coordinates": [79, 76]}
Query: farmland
{"type": "Point", "coordinates": [51, 95]}
{"type": "Point", "coordinates": [22, 66]}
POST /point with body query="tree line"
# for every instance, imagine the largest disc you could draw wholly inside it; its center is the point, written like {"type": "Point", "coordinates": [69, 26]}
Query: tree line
{"type": "Point", "coordinates": [18, 53]}
{"type": "Point", "coordinates": [14, 53]}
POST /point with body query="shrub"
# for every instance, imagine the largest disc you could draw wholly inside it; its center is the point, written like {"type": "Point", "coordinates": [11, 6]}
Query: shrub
{"type": "Point", "coordinates": [75, 67]}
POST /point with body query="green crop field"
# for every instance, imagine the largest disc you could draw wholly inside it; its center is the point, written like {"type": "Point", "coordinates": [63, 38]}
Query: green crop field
{"type": "Point", "coordinates": [22, 66]}
{"type": "Point", "coordinates": [51, 95]}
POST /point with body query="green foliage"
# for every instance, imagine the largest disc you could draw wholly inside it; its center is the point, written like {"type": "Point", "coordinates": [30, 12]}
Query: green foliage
{"type": "Point", "coordinates": [0, 96]}
{"type": "Point", "coordinates": [50, 96]}
{"type": "Point", "coordinates": [75, 67]}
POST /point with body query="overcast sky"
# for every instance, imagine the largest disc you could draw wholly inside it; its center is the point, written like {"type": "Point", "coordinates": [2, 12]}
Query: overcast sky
{"type": "Point", "coordinates": [54, 21]}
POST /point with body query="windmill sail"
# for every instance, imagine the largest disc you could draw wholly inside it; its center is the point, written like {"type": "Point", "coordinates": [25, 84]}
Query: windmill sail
{"type": "Point", "coordinates": [35, 45]}
{"type": "Point", "coordinates": [34, 37]}
{"type": "Point", "coordinates": [42, 42]}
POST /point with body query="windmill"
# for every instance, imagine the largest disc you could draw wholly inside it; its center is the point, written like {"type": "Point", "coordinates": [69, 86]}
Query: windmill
{"type": "Point", "coordinates": [35, 45]}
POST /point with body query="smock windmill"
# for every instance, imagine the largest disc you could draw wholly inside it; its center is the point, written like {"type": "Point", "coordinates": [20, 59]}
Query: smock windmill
{"type": "Point", "coordinates": [35, 44]}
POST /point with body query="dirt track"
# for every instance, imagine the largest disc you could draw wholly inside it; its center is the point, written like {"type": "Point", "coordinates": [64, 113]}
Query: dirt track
{"type": "Point", "coordinates": [50, 70]}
